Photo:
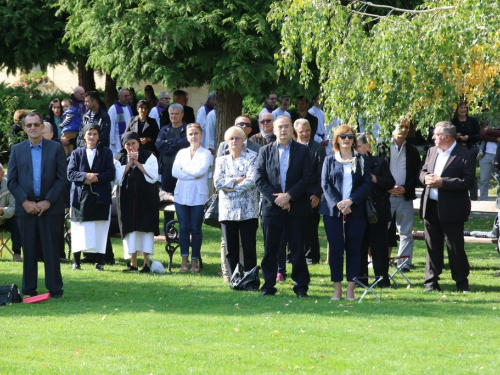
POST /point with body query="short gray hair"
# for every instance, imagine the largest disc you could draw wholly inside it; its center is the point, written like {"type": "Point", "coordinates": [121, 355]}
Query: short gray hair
{"type": "Point", "coordinates": [122, 90]}
{"type": "Point", "coordinates": [176, 106]}
{"type": "Point", "coordinates": [362, 138]}
{"type": "Point", "coordinates": [48, 126]}
{"type": "Point", "coordinates": [448, 128]}
{"type": "Point", "coordinates": [162, 94]}
{"type": "Point", "coordinates": [299, 122]}
{"type": "Point", "coordinates": [212, 95]}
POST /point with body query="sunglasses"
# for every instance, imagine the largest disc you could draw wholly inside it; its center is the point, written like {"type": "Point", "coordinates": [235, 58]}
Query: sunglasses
{"type": "Point", "coordinates": [265, 121]}
{"type": "Point", "coordinates": [36, 125]}
{"type": "Point", "coordinates": [247, 124]}
{"type": "Point", "coordinates": [344, 136]}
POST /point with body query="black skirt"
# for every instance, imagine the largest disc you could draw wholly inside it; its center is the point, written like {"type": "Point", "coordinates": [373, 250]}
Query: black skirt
{"type": "Point", "coordinates": [90, 209]}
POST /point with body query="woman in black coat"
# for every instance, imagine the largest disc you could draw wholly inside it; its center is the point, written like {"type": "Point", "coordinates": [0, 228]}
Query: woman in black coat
{"type": "Point", "coordinates": [375, 236]}
{"type": "Point", "coordinates": [146, 127]}
{"type": "Point", "coordinates": [90, 171]}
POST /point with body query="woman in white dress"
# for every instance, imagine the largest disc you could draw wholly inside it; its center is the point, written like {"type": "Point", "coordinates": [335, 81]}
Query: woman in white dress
{"type": "Point", "coordinates": [90, 171]}
{"type": "Point", "coordinates": [137, 200]}
{"type": "Point", "coordinates": [191, 192]}
{"type": "Point", "coordinates": [234, 178]}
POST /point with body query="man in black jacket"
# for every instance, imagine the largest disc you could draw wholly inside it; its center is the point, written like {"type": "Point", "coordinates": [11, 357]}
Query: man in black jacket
{"type": "Point", "coordinates": [404, 162]}
{"type": "Point", "coordinates": [282, 177]}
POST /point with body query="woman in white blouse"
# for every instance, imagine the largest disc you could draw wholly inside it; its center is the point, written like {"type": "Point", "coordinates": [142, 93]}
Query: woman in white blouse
{"type": "Point", "coordinates": [138, 200]}
{"type": "Point", "coordinates": [191, 192]}
{"type": "Point", "coordinates": [234, 178]}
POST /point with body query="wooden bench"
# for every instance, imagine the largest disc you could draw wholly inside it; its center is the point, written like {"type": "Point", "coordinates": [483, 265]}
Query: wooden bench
{"type": "Point", "coordinates": [478, 208]}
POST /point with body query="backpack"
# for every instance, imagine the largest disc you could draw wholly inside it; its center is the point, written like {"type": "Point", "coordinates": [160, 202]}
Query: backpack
{"type": "Point", "coordinates": [9, 294]}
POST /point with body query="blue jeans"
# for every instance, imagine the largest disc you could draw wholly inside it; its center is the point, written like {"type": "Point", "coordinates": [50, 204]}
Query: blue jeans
{"type": "Point", "coordinates": [190, 222]}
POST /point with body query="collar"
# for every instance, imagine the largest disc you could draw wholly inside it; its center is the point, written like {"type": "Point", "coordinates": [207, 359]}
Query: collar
{"type": "Point", "coordinates": [447, 152]}
{"type": "Point", "coordinates": [39, 145]}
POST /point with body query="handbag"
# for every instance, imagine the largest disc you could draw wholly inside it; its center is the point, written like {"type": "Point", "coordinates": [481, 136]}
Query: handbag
{"type": "Point", "coordinates": [371, 213]}
{"type": "Point", "coordinates": [9, 294]}
{"type": "Point", "coordinates": [241, 280]}
{"type": "Point", "coordinates": [211, 211]}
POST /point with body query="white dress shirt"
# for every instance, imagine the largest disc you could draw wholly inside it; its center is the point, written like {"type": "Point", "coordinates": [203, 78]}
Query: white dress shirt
{"type": "Point", "coordinates": [441, 161]}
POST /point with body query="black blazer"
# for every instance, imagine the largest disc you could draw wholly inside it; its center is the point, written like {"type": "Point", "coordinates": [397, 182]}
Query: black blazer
{"type": "Point", "coordinates": [458, 177]}
{"type": "Point", "coordinates": [20, 176]}
{"type": "Point", "coordinates": [298, 177]}
{"type": "Point", "coordinates": [380, 197]}
{"type": "Point", "coordinates": [150, 130]}
{"type": "Point", "coordinates": [318, 155]}
{"type": "Point", "coordinates": [413, 164]}
{"type": "Point", "coordinates": [78, 167]}
{"type": "Point", "coordinates": [332, 178]}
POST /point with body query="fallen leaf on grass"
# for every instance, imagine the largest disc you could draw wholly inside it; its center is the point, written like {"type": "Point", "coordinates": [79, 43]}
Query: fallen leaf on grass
{"type": "Point", "coordinates": [302, 331]}
{"type": "Point", "coordinates": [77, 351]}
{"type": "Point", "coordinates": [295, 367]}
{"type": "Point", "coordinates": [214, 331]}
{"type": "Point", "coordinates": [104, 317]}
{"type": "Point", "coordinates": [276, 331]}
{"type": "Point", "coordinates": [237, 330]}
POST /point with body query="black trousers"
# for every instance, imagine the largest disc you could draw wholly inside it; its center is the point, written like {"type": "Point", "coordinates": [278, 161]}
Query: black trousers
{"type": "Point", "coordinates": [272, 229]}
{"type": "Point", "coordinates": [311, 240]}
{"type": "Point", "coordinates": [232, 230]}
{"type": "Point", "coordinates": [11, 226]}
{"type": "Point", "coordinates": [375, 237]}
{"type": "Point", "coordinates": [436, 232]}
{"type": "Point", "coordinates": [46, 231]}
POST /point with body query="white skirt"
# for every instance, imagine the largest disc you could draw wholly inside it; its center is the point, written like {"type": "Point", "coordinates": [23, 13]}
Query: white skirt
{"type": "Point", "coordinates": [138, 242]}
{"type": "Point", "coordinates": [89, 236]}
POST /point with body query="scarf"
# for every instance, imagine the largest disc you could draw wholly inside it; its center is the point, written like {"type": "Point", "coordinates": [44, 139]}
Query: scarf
{"type": "Point", "coordinates": [347, 161]}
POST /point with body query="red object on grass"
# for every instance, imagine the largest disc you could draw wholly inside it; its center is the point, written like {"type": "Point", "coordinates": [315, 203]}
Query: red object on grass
{"type": "Point", "coordinates": [38, 298]}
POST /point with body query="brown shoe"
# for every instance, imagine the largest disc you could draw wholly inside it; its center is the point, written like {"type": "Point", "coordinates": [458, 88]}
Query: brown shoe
{"type": "Point", "coordinates": [195, 268]}
{"type": "Point", "coordinates": [17, 258]}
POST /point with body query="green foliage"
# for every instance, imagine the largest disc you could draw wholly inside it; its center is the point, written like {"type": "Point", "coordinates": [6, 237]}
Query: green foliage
{"type": "Point", "coordinates": [31, 80]}
{"type": "Point", "coordinates": [406, 64]}
{"type": "Point", "coordinates": [228, 44]}
{"type": "Point", "coordinates": [31, 35]}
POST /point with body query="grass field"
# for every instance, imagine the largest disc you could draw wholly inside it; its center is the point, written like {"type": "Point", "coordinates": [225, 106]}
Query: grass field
{"type": "Point", "coordinates": [110, 322]}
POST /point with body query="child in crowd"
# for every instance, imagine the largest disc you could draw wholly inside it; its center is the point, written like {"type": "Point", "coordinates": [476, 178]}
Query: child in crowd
{"type": "Point", "coordinates": [70, 125]}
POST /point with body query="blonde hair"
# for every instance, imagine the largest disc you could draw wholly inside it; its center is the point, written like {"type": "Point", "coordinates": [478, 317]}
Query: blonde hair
{"type": "Point", "coordinates": [235, 129]}
{"type": "Point", "coordinates": [196, 126]}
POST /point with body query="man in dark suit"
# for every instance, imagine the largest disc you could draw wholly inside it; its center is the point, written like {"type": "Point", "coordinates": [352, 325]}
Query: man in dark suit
{"type": "Point", "coordinates": [314, 191]}
{"type": "Point", "coordinates": [302, 112]}
{"type": "Point", "coordinates": [39, 203]}
{"type": "Point", "coordinates": [282, 177]}
{"type": "Point", "coordinates": [448, 173]}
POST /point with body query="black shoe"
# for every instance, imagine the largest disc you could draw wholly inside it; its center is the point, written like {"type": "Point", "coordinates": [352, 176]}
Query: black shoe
{"type": "Point", "coordinates": [302, 295]}
{"type": "Point", "coordinates": [383, 284]}
{"type": "Point", "coordinates": [266, 293]}
{"type": "Point", "coordinates": [99, 267]}
{"type": "Point", "coordinates": [464, 290]}
{"type": "Point", "coordinates": [405, 269]}
{"type": "Point", "coordinates": [89, 260]}
{"type": "Point", "coordinates": [130, 268]}
{"type": "Point", "coordinates": [311, 261]}
{"type": "Point", "coordinates": [432, 287]}
{"type": "Point", "coordinates": [109, 262]}
{"type": "Point", "coordinates": [145, 269]}
{"type": "Point", "coordinates": [56, 295]}
{"type": "Point", "coordinates": [75, 267]}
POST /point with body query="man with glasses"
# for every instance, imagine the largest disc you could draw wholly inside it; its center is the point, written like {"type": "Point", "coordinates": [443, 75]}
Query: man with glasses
{"type": "Point", "coordinates": [282, 177]}
{"type": "Point", "coordinates": [270, 104]}
{"type": "Point", "coordinates": [120, 114]}
{"type": "Point", "coordinates": [448, 173]}
{"type": "Point", "coordinates": [163, 104]}
{"type": "Point", "coordinates": [39, 203]}
{"type": "Point", "coordinates": [266, 134]}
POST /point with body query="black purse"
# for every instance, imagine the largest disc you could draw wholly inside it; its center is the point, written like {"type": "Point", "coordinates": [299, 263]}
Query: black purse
{"type": "Point", "coordinates": [241, 280]}
{"type": "Point", "coordinates": [211, 211]}
{"type": "Point", "coordinates": [371, 213]}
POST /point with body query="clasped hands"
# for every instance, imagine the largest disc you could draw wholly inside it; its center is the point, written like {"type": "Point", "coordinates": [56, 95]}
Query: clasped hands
{"type": "Point", "coordinates": [91, 178]}
{"type": "Point", "coordinates": [34, 208]}
{"type": "Point", "coordinates": [283, 200]}
{"type": "Point", "coordinates": [345, 206]}
{"type": "Point", "coordinates": [433, 181]}
{"type": "Point", "coordinates": [397, 191]}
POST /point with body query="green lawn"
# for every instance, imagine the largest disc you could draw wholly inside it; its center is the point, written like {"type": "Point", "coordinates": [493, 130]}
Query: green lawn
{"type": "Point", "coordinates": [112, 322]}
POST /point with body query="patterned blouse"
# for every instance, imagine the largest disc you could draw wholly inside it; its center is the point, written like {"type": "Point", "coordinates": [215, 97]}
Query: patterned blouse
{"type": "Point", "coordinates": [242, 204]}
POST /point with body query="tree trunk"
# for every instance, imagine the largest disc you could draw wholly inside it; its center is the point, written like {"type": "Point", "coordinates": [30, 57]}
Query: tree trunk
{"type": "Point", "coordinates": [229, 106]}
{"type": "Point", "coordinates": [110, 91]}
{"type": "Point", "coordinates": [85, 76]}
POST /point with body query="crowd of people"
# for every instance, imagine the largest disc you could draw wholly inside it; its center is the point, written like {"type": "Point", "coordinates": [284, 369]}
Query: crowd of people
{"type": "Point", "coordinates": [288, 172]}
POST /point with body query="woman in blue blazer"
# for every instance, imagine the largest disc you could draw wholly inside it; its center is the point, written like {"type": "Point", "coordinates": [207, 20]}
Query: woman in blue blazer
{"type": "Point", "coordinates": [346, 183]}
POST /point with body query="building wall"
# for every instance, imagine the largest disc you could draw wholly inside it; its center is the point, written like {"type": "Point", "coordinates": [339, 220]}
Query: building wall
{"type": "Point", "coordinates": [63, 79]}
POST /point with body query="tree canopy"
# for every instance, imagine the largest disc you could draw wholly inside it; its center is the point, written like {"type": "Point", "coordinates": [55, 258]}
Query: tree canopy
{"type": "Point", "coordinates": [417, 63]}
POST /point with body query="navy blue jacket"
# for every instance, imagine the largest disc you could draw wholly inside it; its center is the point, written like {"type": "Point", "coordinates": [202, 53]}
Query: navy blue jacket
{"type": "Point", "coordinates": [332, 177]}
{"type": "Point", "coordinates": [78, 167]}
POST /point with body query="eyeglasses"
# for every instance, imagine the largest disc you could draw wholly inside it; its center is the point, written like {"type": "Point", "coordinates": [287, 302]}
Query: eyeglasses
{"type": "Point", "coordinates": [265, 121]}
{"type": "Point", "coordinates": [234, 139]}
{"type": "Point", "coordinates": [247, 124]}
{"type": "Point", "coordinates": [36, 125]}
{"type": "Point", "coordinates": [344, 136]}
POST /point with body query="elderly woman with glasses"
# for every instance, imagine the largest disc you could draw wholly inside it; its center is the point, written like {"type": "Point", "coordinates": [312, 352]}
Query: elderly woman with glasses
{"type": "Point", "coordinates": [234, 178]}
{"type": "Point", "coordinates": [90, 171]}
{"type": "Point", "coordinates": [346, 183]}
